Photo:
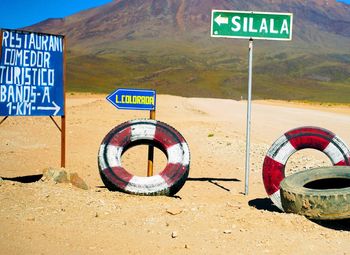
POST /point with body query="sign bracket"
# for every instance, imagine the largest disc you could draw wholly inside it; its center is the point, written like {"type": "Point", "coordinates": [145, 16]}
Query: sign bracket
{"type": "Point", "coordinates": [53, 120]}
{"type": "Point", "coordinates": [3, 120]}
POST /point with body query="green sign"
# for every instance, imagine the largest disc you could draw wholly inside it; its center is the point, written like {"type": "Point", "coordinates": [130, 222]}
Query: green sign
{"type": "Point", "coordinates": [255, 25]}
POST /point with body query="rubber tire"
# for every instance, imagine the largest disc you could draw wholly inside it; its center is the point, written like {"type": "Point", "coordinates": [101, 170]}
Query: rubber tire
{"type": "Point", "coordinates": [320, 204]}
{"type": "Point", "coordinates": [167, 182]}
{"type": "Point", "coordinates": [297, 139]}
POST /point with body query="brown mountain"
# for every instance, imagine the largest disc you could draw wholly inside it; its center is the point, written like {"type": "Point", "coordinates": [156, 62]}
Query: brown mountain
{"type": "Point", "coordinates": [121, 19]}
{"type": "Point", "coordinates": [166, 44]}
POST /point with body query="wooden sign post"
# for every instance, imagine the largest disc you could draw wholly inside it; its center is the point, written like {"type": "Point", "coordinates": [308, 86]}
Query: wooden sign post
{"type": "Point", "coordinates": [137, 99]}
{"type": "Point", "coordinates": [152, 116]}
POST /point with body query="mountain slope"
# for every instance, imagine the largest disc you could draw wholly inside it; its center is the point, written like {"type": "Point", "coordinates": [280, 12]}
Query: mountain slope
{"type": "Point", "coordinates": [166, 45]}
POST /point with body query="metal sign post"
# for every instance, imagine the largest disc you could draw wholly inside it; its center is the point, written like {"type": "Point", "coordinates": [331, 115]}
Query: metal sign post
{"type": "Point", "coordinates": [249, 110]}
{"type": "Point", "coordinates": [251, 25]}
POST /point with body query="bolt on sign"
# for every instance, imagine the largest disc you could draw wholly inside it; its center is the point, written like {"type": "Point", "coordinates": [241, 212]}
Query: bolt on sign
{"type": "Point", "coordinates": [31, 74]}
{"type": "Point", "coordinates": [254, 25]}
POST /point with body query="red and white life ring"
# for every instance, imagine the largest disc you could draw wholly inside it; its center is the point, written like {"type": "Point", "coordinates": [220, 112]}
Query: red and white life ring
{"type": "Point", "coordinates": [152, 132]}
{"type": "Point", "coordinates": [292, 141]}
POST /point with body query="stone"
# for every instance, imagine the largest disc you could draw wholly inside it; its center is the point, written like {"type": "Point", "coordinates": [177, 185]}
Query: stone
{"type": "Point", "coordinates": [56, 175]}
{"type": "Point", "coordinates": [174, 210]}
{"type": "Point", "coordinates": [174, 234]}
{"type": "Point", "coordinates": [77, 181]}
{"type": "Point", "coordinates": [60, 175]}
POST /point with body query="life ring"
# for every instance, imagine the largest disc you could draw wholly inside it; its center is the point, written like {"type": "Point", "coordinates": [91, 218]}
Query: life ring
{"type": "Point", "coordinates": [144, 131]}
{"type": "Point", "coordinates": [292, 141]}
{"type": "Point", "coordinates": [320, 193]}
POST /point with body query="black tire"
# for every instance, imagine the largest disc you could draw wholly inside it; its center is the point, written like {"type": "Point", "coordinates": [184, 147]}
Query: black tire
{"type": "Point", "coordinates": [151, 132]}
{"type": "Point", "coordinates": [297, 139]}
{"type": "Point", "coordinates": [319, 193]}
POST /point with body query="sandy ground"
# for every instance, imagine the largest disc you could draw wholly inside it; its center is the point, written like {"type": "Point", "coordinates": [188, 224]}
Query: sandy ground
{"type": "Point", "coordinates": [209, 215]}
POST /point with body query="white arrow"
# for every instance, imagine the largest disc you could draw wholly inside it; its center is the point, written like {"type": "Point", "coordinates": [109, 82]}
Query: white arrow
{"type": "Point", "coordinates": [56, 108]}
{"type": "Point", "coordinates": [221, 20]}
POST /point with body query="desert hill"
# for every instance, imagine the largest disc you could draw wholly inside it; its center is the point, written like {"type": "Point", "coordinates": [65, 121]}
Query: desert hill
{"type": "Point", "coordinates": [166, 45]}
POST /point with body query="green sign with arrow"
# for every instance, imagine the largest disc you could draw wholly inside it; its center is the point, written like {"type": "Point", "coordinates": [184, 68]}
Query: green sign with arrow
{"type": "Point", "coordinates": [255, 25]}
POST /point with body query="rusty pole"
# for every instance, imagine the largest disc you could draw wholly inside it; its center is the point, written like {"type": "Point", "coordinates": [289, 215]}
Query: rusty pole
{"type": "Point", "coordinates": [152, 116]}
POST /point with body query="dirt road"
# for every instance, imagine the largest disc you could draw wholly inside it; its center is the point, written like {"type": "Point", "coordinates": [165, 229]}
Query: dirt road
{"type": "Point", "coordinates": [209, 215]}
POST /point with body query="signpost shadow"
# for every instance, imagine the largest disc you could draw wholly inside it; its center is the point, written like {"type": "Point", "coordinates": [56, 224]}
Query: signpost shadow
{"type": "Point", "coordinates": [215, 181]}
{"type": "Point", "coordinates": [264, 204]}
{"type": "Point", "coordinates": [24, 179]}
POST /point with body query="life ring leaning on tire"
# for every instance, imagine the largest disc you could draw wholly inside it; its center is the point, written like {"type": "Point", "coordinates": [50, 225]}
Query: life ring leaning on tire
{"type": "Point", "coordinates": [292, 141]}
{"type": "Point", "coordinates": [320, 193]}
{"type": "Point", "coordinates": [144, 131]}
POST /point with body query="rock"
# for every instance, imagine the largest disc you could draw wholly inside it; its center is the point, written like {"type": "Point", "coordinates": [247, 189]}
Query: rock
{"type": "Point", "coordinates": [174, 210]}
{"type": "Point", "coordinates": [174, 234]}
{"type": "Point", "coordinates": [56, 175]}
{"type": "Point", "coordinates": [60, 175]}
{"type": "Point", "coordinates": [78, 182]}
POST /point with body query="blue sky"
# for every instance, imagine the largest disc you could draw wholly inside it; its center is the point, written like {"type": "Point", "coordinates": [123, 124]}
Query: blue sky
{"type": "Point", "coordinates": [21, 13]}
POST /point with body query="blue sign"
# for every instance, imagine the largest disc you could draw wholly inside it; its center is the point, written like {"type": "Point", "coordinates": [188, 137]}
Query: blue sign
{"type": "Point", "coordinates": [31, 74]}
{"type": "Point", "coordinates": [133, 99]}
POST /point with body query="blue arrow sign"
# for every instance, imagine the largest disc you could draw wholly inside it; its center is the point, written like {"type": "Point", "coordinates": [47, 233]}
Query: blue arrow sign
{"type": "Point", "coordinates": [133, 99]}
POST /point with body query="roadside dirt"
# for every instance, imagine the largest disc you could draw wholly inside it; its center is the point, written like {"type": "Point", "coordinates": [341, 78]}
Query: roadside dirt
{"type": "Point", "coordinates": [210, 214]}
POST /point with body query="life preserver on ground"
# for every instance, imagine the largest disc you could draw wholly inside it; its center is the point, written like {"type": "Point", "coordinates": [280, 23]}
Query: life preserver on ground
{"type": "Point", "coordinates": [292, 141]}
{"type": "Point", "coordinates": [144, 131]}
{"type": "Point", "coordinates": [320, 193]}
